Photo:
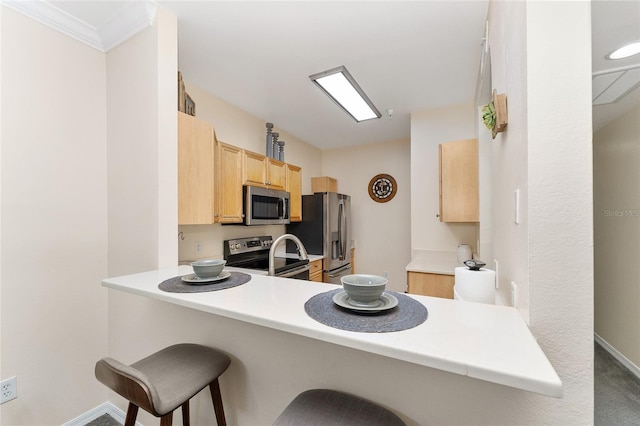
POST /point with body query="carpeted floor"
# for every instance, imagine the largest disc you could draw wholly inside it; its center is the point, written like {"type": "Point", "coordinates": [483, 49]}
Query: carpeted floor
{"type": "Point", "coordinates": [104, 420]}
{"type": "Point", "coordinates": [617, 392]}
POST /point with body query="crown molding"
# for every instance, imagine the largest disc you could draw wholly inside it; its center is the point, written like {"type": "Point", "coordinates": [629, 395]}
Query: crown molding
{"type": "Point", "coordinates": [127, 21]}
{"type": "Point", "coordinates": [132, 18]}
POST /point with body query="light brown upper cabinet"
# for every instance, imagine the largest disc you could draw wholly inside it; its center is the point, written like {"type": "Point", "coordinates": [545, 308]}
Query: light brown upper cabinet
{"type": "Point", "coordinates": [260, 170]}
{"type": "Point", "coordinates": [229, 188]}
{"type": "Point", "coordinates": [196, 183]}
{"type": "Point", "coordinates": [211, 175]}
{"type": "Point", "coordinates": [294, 187]}
{"type": "Point", "coordinates": [458, 164]}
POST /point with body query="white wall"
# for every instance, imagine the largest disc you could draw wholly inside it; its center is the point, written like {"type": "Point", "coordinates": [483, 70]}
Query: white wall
{"type": "Point", "coordinates": [508, 42]}
{"type": "Point", "coordinates": [617, 234]}
{"type": "Point", "coordinates": [541, 58]}
{"type": "Point", "coordinates": [54, 222]}
{"type": "Point", "coordinates": [381, 231]}
{"type": "Point", "coordinates": [430, 128]}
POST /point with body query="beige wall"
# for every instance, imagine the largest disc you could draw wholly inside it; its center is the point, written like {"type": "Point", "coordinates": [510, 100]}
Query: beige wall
{"type": "Point", "coordinates": [142, 150]}
{"type": "Point", "coordinates": [54, 222]}
{"type": "Point", "coordinates": [237, 127]}
{"type": "Point", "coordinates": [381, 231]}
{"type": "Point", "coordinates": [142, 177]}
{"type": "Point", "coordinates": [430, 128]}
{"type": "Point", "coordinates": [617, 234]}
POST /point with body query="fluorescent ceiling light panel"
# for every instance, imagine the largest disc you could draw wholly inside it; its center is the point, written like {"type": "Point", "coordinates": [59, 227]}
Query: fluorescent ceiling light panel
{"type": "Point", "coordinates": [340, 86]}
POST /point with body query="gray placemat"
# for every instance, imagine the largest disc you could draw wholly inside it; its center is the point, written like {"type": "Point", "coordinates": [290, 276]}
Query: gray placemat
{"type": "Point", "coordinates": [176, 285]}
{"type": "Point", "coordinates": [408, 314]}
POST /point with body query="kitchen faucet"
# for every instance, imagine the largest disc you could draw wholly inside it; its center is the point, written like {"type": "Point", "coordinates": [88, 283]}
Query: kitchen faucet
{"type": "Point", "coordinates": [272, 251]}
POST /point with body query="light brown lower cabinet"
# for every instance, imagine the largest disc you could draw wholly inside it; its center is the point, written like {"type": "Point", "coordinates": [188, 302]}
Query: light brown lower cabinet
{"type": "Point", "coordinates": [315, 273]}
{"type": "Point", "coordinates": [353, 260]}
{"type": "Point", "coordinates": [437, 285]}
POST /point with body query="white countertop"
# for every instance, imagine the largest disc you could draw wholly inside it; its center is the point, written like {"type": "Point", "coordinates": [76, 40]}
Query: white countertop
{"type": "Point", "coordinates": [434, 262]}
{"type": "Point", "coordinates": [486, 342]}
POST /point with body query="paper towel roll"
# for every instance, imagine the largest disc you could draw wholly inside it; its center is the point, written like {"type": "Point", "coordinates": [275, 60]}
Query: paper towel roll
{"type": "Point", "coordinates": [475, 286]}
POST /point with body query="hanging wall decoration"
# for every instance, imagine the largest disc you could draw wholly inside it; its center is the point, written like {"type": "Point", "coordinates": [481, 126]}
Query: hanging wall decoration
{"type": "Point", "coordinates": [185, 102]}
{"type": "Point", "coordinates": [494, 114]}
{"type": "Point", "coordinates": [382, 188]}
{"type": "Point", "coordinates": [181, 93]}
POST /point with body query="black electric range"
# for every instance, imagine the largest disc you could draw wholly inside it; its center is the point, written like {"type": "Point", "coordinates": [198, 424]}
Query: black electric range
{"type": "Point", "coordinates": [253, 253]}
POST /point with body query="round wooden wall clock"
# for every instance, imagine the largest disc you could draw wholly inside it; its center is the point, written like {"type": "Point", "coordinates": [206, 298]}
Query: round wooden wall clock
{"type": "Point", "coordinates": [382, 188]}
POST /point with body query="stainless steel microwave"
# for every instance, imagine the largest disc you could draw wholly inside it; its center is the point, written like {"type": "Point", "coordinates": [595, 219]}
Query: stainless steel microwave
{"type": "Point", "coordinates": [264, 206]}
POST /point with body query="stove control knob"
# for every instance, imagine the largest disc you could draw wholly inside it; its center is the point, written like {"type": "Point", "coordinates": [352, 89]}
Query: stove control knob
{"type": "Point", "coordinates": [238, 246]}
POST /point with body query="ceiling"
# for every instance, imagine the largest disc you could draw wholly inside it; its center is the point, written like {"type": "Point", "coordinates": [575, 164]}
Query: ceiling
{"type": "Point", "coordinates": [259, 56]}
{"type": "Point", "coordinates": [407, 56]}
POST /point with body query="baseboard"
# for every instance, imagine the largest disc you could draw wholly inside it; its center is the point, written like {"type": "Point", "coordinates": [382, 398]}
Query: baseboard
{"type": "Point", "coordinates": [617, 355]}
{"type": "Point", "coordinates": [94, 413]}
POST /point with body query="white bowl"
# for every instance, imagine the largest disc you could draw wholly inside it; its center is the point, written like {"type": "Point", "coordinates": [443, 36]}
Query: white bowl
{"type": "Point", "coordinates": [209, 268]}
{"type": "Point", "coordinates": [363, 288]}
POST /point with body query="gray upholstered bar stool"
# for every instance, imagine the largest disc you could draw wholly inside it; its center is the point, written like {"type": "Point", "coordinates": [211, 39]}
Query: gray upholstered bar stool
{"type": "Point", "coordinates": [324, 407]}
{"type": "Point", "coordinates": [166, 380]}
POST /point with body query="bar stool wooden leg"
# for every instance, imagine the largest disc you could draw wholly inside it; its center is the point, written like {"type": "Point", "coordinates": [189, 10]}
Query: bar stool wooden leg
{"type": "Point", "coordinates": [217, 402]}
{"type": "Point", "coordinates": [167, 419]}
{"type": "Point", "coordinates": [132, 413]}
{"type": "Point", "coordinates": [186, 421]}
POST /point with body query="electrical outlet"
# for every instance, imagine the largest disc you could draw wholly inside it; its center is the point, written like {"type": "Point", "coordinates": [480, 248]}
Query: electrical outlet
{"type": "Point", "coordinates": [9, 389]}
{"type": "Point", "coordinates": [198, 247]}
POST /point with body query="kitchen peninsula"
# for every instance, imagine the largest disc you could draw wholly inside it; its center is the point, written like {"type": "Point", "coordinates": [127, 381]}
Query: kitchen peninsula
{"type": "Point", "coordinates": [490, 343]}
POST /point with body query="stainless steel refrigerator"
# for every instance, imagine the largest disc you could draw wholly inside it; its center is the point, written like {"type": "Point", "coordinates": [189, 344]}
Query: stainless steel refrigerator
{"type": "Point", "coordinates": [326, 230]}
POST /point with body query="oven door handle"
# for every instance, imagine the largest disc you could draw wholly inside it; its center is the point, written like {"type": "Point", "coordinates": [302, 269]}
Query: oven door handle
{"type": "Point", "coordinates": [291, 273]}
{"type": "Point", "coordinates": [339, 272]}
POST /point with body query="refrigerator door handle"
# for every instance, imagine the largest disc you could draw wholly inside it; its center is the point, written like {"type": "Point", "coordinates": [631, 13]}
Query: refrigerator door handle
{"type": "Point", "coordinates": [342, 230]}
{"type": "Point", "coordinates": [345, 237]}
